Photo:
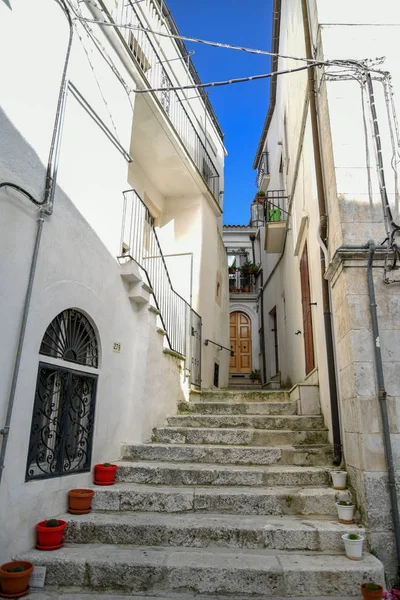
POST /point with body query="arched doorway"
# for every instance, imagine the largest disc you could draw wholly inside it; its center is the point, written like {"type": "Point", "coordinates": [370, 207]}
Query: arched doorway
{"type": "Point", "coordinates": [240, 335]}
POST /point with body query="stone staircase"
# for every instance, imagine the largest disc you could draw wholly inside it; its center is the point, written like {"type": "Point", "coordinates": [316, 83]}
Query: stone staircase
{"type": "Point", "coordinates": [231, 499]}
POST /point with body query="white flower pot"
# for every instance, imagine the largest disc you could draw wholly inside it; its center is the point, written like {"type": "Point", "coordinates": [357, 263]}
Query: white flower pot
{"type": "Point", "coordinates": [345, 513]}
{"type": "Point", "coordinates": [353, 547]}
{"type": "Point", "coordinates": [339, 479]}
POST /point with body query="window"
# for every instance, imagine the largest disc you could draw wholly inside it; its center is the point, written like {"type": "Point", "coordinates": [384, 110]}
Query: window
{"type": "Point", "coordinates": [63, 414]}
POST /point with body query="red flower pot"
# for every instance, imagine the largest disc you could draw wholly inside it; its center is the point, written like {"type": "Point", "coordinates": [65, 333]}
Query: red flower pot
{"type": "Point", "coordinates": [15, 583]}
{"type": "Point", "coordinates": [372, 594]}
{"type": "Point", "coordinates": [50, 538]}
{"type": "Point", "coordinates": [105, 475]}
{"type": "Point", "coordinates": [80, 501]}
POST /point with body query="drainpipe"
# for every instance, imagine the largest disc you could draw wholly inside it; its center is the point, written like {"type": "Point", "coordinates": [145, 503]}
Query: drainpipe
{"type": "Point", "coordinates": [47, 203]}
{"type": "Point", "coordinates": [382, 394]}
{"type": "Point", "coordinates": [330, 354]}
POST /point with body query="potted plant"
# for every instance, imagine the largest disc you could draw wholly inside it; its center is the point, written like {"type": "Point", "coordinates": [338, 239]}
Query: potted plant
{"type": "Point", "coordinates": [372, 591]}
{"type": "Point", "coordinates": [50, 534]}
{"type": "Point", "coordinates": [345, 511]}
{"type": "Point", "coordinates": [260, 197]}
{"type": "Point", "coordinates": [353, 544]}
{"type": "Point", "coordinates": [339, 479]}
{"type": "Point", "coordinates": [104, 474]}
{"type": "Point", "coordinates": [80, 501]}
{"type": "Point", "coordinates": [255, 375]}
{"type": "Point", "coordinates": [15, 578]}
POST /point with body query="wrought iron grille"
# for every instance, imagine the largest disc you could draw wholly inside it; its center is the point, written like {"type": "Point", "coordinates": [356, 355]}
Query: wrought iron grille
{"type": "Point", "coordinates": [62, 423]}
{"type": "Point", "coordinates": [70, 336]}
{"type": "Point", "coordinates": [152, 64]}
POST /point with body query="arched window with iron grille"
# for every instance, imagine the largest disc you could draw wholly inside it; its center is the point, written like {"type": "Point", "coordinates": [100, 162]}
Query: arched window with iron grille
{"type": "Point", "coordinates": [63, 414]}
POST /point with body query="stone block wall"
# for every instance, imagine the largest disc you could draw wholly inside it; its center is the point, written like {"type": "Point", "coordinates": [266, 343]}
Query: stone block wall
{"type": "Point", "coordinates": [360, 411]}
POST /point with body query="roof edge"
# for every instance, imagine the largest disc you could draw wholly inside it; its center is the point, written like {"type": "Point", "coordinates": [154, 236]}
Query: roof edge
{"type": "Point", "coordinates": [274, 67]}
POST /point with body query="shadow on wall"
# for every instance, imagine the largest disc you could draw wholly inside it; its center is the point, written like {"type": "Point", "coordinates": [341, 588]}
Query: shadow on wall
{"type": "Point", "coordinates": [12, 143]}
{"type": "Point", "coordinates": [7, 3]}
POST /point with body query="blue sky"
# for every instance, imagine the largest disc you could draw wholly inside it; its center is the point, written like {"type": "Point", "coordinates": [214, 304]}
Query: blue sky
{"type": "Point", "coordinates": [241, 108]}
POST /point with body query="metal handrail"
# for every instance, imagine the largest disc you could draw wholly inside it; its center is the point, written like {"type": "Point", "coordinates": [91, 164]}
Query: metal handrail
{"type": "Point", "coordinates": [220, 346]}
{"type": "Point", "coordinates": [151, 65]}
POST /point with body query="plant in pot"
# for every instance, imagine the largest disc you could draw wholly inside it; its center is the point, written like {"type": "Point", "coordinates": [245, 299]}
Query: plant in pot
{"type": "Point", "coordinates": [260, 197]}
{"type": "Point", "coordinates": [14, 577]}
{"type": "Point", "coordinates": [80, 501]}
{"type": "Point", "coordinates": [345, 510]}
{"type": "Point", "coordinates": [372, 591]}
{"type": "Point", "coordinates": [353, 544]}
{"type": "Point", "coordinates": [50, 534]}
{"type": "Point", "coordinates": [393, 594]}
{"type": "Point", "coordinates": [104, 474]}
{"type": "Point", "coordinates": [255, 375]}
{"type": "Point", "coordinates": [339, 479]}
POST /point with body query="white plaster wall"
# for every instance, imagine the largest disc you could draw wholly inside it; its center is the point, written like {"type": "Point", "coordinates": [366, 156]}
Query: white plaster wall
{"type": "Point", "coordinates": [283, 288]}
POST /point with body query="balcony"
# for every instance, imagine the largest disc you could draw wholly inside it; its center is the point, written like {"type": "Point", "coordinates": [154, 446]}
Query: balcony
{"type": "Point", "coordinates": [149, 138]}
{"type": "Point", "coordinates": [276, 216]}
{"type": "Point", "coordinates": [263, 175]}
{"type": "Point", "coordinates": [242, 283]}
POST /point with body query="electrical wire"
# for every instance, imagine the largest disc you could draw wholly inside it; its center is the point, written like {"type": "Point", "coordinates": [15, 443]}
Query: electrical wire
{"type": "Point", "coordinates": [22, 191]}
{"type": "Point", "coordinates": [228, 81]}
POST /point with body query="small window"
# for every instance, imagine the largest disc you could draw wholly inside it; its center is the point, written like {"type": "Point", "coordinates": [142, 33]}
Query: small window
{"type": "Point", "coordinates": [63, 413]}
{"type": "Point", "coordinates": [216, 375]}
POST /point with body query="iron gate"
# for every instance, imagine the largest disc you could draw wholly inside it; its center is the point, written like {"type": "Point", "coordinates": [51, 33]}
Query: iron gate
{"type": "Point", "coordinates": [195, 349]}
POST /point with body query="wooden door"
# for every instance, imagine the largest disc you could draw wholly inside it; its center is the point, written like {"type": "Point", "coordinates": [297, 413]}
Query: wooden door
{"type": "Point", "coordinates": [240, 332]}
{"type": "Point", "coordinates": [307, 316]}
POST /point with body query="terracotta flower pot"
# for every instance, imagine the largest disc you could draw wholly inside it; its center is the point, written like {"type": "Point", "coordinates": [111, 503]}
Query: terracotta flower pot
{"type": "Point", "coordinates": [80, 501]}
{"type": "Point", "coordinates": [15, 583]}
{"type": "Point", "coordinates": [371, 594]}
{"type": "Point", "coordinates": [50, 538]}
{"type": "Point", "coordinates": [105, 475]}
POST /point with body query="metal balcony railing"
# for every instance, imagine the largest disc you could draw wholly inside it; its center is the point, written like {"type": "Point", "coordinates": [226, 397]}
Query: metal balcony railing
{"type": "Point", "coordinates": [263, 169]}
{"type": "Point", "coordinates": [139, 242]}
{"type": "Point", "coordinates": [240, 282]}
{"type": "Point", "coordinates": [152, 65]}
{"type": "Point", "coordinates": [276, 206]}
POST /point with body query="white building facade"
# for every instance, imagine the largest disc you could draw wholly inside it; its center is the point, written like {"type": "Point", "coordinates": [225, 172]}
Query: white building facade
{"type": "Point", "coordinates": [327, 161]}
{"type": "Point", "coordinates": [113, 268]}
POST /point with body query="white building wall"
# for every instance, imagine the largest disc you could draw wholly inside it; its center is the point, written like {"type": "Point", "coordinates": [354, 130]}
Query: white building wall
{"type": "Point", "coordinates": [77, 266]}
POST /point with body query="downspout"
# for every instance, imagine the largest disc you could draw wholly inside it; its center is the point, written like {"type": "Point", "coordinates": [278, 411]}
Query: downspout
{"type": "Point", "coordinates": [47, 203]}
{"type": "Point", "coordinates": [330, 354]}
{"type": "Point", "coordinates": [382, 394]}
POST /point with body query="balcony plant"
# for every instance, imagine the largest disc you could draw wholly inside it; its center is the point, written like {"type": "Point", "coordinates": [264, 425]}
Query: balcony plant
{"type": "Point", "coordinates": [260, 197]}
{"type": "Point", "coordinates": [104, 474]}
{"type": "Point", "coordinates": [353, 544]}
{"type": "Point", "coordinates": [50, 534]}
{"type": "Point", "coordinates": [15, 578]}
{"type": "Point", "coordinates": [393, 594]}
{"type": "Point", "coordinates": [372, 591]}
{"type": "Point", "coordinates": [250, 268]}
{"type": "Point", "coordinates": [345, 511]}
{"type": "Point", "coordinates": [339, 479]}
{"type": "Point", "coordinates": [80, 501]}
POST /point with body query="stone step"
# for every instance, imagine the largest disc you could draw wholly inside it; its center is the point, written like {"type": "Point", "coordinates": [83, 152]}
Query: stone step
{"type": "Point", "coordinates": [235, 455]}
{"type": "Point", "coordinates": [241, 396]}
{"type": "Point", "coordinates": [165, 473]}
{"type": "Point", "coordinates": [54, 594]}
{"type": "Point", "coordinates": [232, 500]}
{"type": "Point", "coordinates": [239, 408]}
{"type": "Point", "coordinates": [238, 437]}
{"type": "Point", "coordinates": [208, 570]}
{"type": "Point", "coordinates": [204, 530]}
{"type": "Point", "coordinates": [288, 422]}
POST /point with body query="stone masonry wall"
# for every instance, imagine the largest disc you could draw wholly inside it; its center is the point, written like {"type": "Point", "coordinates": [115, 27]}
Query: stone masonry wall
{"type": "Point", "coordinates": [360, 411]}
